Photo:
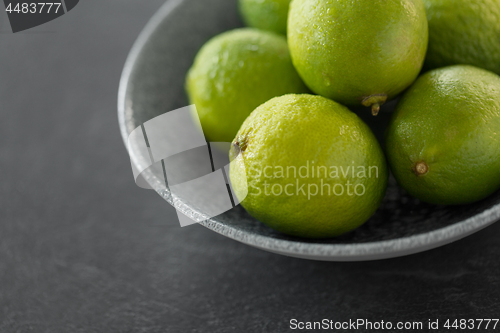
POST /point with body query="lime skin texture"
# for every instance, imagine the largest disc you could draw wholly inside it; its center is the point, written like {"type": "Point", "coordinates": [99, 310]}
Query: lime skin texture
{"type": "Point", "coordinates": [290, 134]}
{"type": "Point", "coordinates": [271, 15]}
{"type": "Point", "coordinates": [358, 51]}
{"type": "Point", "coordinates": [235, 72]}
{"type": "Point", "coordinates": [464, 32]}
{"type": "Point", "coordinates": [443, 141]}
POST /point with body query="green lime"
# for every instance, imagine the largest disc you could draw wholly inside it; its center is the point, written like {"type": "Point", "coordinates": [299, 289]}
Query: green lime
{"type": "Point", "coordinates": [234, 73]}
{"type": "Point", "coordinates": [268, 15]}
{"type": "Point", "coordinates": [311, 167]}
{"type": "Point", "coordinates": [443, 139]}
{"type": "Point", "coordinates": [358, 52]}
{"type": "Point", "coordinates": [464, 32]}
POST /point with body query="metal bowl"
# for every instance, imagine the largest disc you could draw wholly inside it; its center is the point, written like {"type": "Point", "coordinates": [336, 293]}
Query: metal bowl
{"type": "Point", "coordinates": [152, 83]}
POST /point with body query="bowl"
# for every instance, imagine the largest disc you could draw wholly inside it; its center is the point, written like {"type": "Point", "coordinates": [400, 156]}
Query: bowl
{"type": "Point", "coordinates": [152, 83]}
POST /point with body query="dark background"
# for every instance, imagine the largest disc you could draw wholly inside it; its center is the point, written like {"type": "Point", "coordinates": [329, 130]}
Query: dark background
{"type": "Point", "coordinates": [82, 249]}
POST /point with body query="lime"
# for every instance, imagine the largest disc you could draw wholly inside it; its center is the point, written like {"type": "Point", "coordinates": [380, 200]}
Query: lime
{"type": "Point", "coordinates": [358, 52]}
{"type": "Point", "coordinates": [443, 139]}
{"type": "Point", "coordinates": [312, 168]}
{"type": "Point", "coordinates": [234, 73]}
{"type": "Point", "coordinates": [269, 15]}
{"type": "Point", "coordinates": [464, 32]}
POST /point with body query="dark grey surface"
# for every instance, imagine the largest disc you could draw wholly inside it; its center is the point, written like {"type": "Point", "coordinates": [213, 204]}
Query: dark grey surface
{"type": "Point", "coordinates": [82, 249]}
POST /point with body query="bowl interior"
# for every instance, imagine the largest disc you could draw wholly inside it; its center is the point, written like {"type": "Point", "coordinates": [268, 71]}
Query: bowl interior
{"type": "Point", "coordinates": [153, 83]}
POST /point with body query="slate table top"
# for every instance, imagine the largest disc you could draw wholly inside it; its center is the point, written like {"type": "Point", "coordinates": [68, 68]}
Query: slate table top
{"type": "Point", "coordinates": [82, 249]}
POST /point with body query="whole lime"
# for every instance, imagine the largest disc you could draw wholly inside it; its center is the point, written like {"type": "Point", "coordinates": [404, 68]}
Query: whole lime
{"type": "Point", "coordinates": [443, 139]}
{"type": "Point", "coordinates": [358, 52]}
{"type": "Point", "coordinates": [464, 32]}
{"type": "Point", "coordinates": [269, 15]}
{"type": "Point", "coordinates": [311, 167]}
{"type": "Point", "coordinates": [234, 73]}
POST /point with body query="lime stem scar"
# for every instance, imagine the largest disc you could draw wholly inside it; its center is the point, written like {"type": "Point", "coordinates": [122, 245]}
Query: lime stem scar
{"type": "Point", "coordinates": [235, 147]}
{"type": "Point", "coordinates": [421, 168]}
{"type": "Point", "coordinates": [375, 101]}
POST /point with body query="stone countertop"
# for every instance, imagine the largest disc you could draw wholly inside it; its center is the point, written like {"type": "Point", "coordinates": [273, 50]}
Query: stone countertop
{"type": "Point", "coordinates": [82, 249]}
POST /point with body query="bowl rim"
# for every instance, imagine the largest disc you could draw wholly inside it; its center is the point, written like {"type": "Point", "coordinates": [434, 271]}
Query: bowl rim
{"type": "Point", "coordinates": [317, 251]}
